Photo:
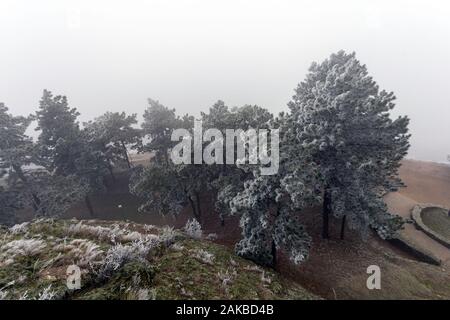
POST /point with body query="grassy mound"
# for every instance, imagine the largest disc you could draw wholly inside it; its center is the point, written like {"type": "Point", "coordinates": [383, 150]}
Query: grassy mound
{"type": "Point", "coordinates": [121, 260]}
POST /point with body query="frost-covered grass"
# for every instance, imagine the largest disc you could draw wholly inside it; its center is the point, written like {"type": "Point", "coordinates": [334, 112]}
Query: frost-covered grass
{"type": "Point", "coordinates": [3, 294]}
{"type": "Point", "coordinates": [21, 247]}
{"type": "Point", "coordinates": [121, 260]}
{"type": "Point", "coordinates": [203, 256]}
{"type": "Point", "coordinates": [82, 252]}
{"type": "Point", "coordinates": [193, 229]}
{"type": "Point", "coordinates": [113, 234]}
{"type": "Point", "coordinates": [19, 228]}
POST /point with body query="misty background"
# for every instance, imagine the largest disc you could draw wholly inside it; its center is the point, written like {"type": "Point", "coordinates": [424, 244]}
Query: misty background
{"type": "Point", "coordinates": [113, 55]}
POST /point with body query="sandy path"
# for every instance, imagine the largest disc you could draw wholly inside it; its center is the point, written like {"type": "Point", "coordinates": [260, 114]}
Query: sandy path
{"type": "Point", "coordinates": [426, 183]}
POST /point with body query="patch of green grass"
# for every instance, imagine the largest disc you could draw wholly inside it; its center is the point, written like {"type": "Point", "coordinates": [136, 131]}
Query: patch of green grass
{"type": "Point", "coordinates": [437, 220]}
{"type": "Point", "coordinates": [183, 276]}
{"type": "Point", "coordinates": [49, 228]}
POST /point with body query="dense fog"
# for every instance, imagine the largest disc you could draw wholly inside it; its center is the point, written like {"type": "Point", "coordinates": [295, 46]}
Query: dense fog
{"type": "Point", "coordinates": [113, 55]}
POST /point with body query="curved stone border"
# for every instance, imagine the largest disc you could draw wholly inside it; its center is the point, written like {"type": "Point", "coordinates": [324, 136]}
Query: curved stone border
{"type": "Point", "coordinates": [416, 215]}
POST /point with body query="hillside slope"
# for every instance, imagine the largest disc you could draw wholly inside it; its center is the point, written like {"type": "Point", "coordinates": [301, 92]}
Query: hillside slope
{"type": "Point", "coordinates": [122, 260]}
{"type": "Point", "coordinates": [426, 182]}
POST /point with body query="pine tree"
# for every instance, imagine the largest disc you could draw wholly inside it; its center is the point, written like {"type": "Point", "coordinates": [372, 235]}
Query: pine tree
{"type": "Point", "coordinates": [16, 149]}
{"type": "Point", "coordinates": [165, 187]}
{"type": "Point", "coordinates": [65, 149]}
{"type": "Point", "coordinates": [269, 204]}
{"type": "Point", "coordinates": [226, 180]}
{"type": "Point", "coordinates": [343, 123]}
{"type": "Point", "coordinates": [58, 131]}
{"type": "Point", "coordinates": [48, 194]}
{"type": "Point", "coordinates": [111, 133]}
{"type": "Point", "coordinates": [57, 193]}
{"type": "Point", "coordinates": [168, 188]}
{"type": "Point", "coordinates": [159, 122]}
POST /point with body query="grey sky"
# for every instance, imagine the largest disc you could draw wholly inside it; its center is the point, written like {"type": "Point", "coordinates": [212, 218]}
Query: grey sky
{"type": "Point", "coordinates": [112, 55]}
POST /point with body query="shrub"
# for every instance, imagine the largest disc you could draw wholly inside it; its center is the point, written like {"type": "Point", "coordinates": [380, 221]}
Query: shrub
{"type": "Point", "coordinates": [193, 229]}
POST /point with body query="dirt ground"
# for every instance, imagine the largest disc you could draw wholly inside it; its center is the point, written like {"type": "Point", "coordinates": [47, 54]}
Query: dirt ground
{"type": "Point", "coordinates": [426, 182]}
{"type": "Point", "coordinates": [337, 269]}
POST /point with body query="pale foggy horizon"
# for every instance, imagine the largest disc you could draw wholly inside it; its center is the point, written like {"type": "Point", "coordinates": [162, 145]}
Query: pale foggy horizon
{"type": "Point", "coordinates": [113, 55]}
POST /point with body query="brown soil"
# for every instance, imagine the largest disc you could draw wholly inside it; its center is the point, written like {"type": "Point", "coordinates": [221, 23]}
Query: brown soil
{"type": "Point", "coordinates": [426, 182]}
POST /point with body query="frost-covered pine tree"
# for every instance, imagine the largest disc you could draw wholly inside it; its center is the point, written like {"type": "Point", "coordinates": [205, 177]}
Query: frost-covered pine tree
{"type": "Point", "coordinates": [16, 150]}
{"type": "Point", "coordinates": [47, 193]}
{"type": "Point", "coordinates": [111, 133]}
{"type": "Point", "coordinates": [167, 188]}
{"type": "Point", "coordinates": [344, 125]}
{"type": "Point", "coordinates": [65, 149]}
{"type": "Point", "coordinates": [159, 123]}
{"type": "Point", "coordinates": [269, 204]}
{"type": "Point", "coordinates": [56, 193]}
{"type": "Point", "coordinates": [226, 180]}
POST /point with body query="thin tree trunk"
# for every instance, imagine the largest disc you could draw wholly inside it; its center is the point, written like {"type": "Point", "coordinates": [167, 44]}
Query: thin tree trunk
{"type": "Point", "coordinates": [36, 201]}
{"type": "Point", "coordinates": [126, 155]}
{"type": "Point", "coordinates": [89, 205]}
{"type": "Point", "coordinates": [274, 245]}
{"type": "Point", "coordinates": [194, 209]}
{"type": "Point", "coordinates": [111, 172]}
{"type": "Point", "coordinates": [199, 209]}
{"type": "Point", "coordinates": [326, 213]}
{"type": "Point", "coordinates": [343, 228]}
{"type": "Point", "coordinates": [166, 156]}
{"type": "Point", "coordinates": [274, 254]}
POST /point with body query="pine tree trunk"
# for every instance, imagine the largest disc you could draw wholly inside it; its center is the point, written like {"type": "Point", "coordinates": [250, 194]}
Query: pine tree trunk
{"type": "Point", "coordinates": [89, 205]}
{"type": "Point", "coordinates": [111, 172]}
{"type": "Point", "coordinates": [326, 213]}
{"type": "Point", "coordinates": [343, 228]}
{"type": "Point", "coordinates": [274, 245]}
{"type": "Point", "coordinates": [36, 201]}
{"type": "Point", "coordinates": [274, 254]}
{"type": "Point", "coordinates": [194, 209]}
{"type": "Point", "coordinates": [199, 209]}
{"type": "Point", "coordinates": [166, 156]}
{"type": "Point", "coordinates": [126, 155]}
